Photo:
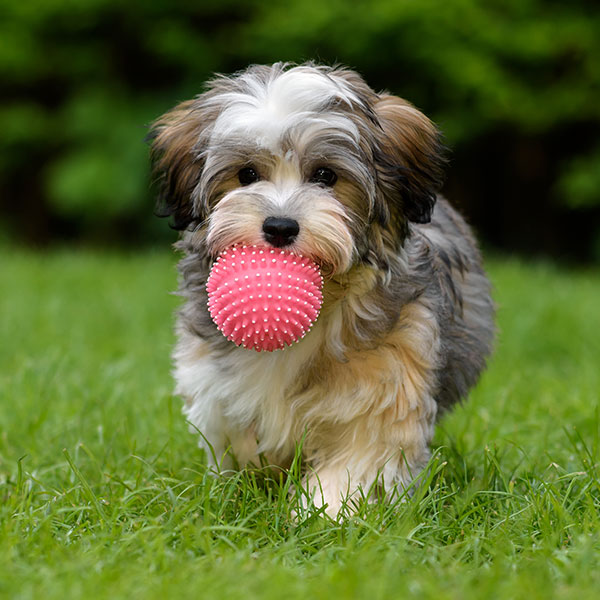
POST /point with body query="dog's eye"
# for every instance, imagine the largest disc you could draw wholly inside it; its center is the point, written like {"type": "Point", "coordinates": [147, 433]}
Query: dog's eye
{"type": "Point", "coordinates": [248, 175]}
{"type": "Point", "coordinates": [324, 176]}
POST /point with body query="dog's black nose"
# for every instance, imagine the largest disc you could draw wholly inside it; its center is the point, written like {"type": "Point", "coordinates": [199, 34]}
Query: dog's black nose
{"type": "Point", "coordinates": [279, 231]}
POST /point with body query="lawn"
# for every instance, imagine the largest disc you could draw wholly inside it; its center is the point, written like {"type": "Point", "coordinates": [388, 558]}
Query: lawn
{"type": "Point", "coordinates": [104, 494]}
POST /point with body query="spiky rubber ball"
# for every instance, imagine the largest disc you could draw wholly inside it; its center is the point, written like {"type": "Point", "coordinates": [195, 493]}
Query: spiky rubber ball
{"type": "Point", "coordinates": [264, 298]}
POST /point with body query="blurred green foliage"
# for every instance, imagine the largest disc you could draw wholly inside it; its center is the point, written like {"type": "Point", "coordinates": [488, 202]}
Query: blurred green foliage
{"type": "Point", "coordinates": [514, 84]}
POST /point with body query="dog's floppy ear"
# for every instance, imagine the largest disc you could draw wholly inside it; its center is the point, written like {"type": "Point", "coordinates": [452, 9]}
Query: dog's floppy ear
{"type": "Point", "coordinates": [176, 140]}
{"type": "Point", "coordinates": [412, 157]}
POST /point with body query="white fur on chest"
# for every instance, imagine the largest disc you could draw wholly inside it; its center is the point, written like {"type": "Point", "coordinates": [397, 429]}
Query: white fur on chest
{"type": "Point", "coordinates": [245, 390]}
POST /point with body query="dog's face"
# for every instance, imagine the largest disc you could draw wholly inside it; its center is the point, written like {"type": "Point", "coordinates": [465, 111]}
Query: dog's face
{"type": "Point", "coordinates": [308, 158]}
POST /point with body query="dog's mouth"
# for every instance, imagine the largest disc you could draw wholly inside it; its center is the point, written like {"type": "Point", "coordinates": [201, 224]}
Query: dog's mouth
{"type": "Point", "coordinates": [326, 267]}
{"type": "Point", "coordinates": [292, 249]}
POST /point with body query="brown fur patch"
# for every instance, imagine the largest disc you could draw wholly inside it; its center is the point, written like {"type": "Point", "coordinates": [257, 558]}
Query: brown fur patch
{"type": "Point", "coordinates": [412, 165]}
{"type": "Point", "coordinates": [176, 160]}
{"type": "Point", "coordinates": [375, 411]}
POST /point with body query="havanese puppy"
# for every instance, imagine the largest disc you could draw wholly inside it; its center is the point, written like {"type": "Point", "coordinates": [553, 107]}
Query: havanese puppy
{"type": "Point", "coordinates": [350, 177]}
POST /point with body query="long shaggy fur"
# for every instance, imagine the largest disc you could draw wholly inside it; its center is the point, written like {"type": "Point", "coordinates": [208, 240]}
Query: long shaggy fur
{"type": "Point", "coordinates": [407, 318]}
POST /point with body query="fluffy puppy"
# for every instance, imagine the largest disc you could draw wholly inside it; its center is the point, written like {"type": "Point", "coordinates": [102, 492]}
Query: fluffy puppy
{"type": "Point", "coordinates": [407, 319]}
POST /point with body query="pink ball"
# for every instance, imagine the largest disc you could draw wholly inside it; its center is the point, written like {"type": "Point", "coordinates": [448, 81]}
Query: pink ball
{"type": "Point", "coordinates": [262, 297]}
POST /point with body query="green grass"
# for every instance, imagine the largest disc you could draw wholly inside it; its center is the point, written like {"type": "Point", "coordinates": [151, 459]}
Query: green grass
{"type": "Point", "coordinates": [104, 494]}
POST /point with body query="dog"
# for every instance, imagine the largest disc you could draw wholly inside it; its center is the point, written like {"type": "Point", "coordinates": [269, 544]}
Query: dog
{"type": "Point", "coordinates": [352, 178]}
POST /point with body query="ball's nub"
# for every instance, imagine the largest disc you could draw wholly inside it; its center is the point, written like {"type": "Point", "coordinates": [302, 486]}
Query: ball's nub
{"type": "Point", "coordinates": [264, 298]}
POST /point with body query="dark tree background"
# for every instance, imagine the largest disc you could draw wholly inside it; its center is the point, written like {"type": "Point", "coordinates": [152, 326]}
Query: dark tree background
{"type": "Point", "coordinates": [514, 85]}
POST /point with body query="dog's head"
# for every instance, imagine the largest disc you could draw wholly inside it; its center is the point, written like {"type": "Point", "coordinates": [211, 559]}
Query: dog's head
{"type": "Point", "coordinates": [305, 157]}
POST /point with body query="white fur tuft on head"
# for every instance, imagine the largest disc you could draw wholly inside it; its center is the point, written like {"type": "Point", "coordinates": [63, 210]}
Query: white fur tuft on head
{"type": "Point", "coordinates": [264, 110]}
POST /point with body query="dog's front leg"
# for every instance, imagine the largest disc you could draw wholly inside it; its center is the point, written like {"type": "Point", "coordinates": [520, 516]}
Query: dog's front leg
{"type": "Point", "coordinates": [379, 457]}
{"type": "Point", "coordinates": [329, 487]}
{"type": "Point", "coordinates": [206, 419]}
{"type": "Point", "coordinates": [340, 489]}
